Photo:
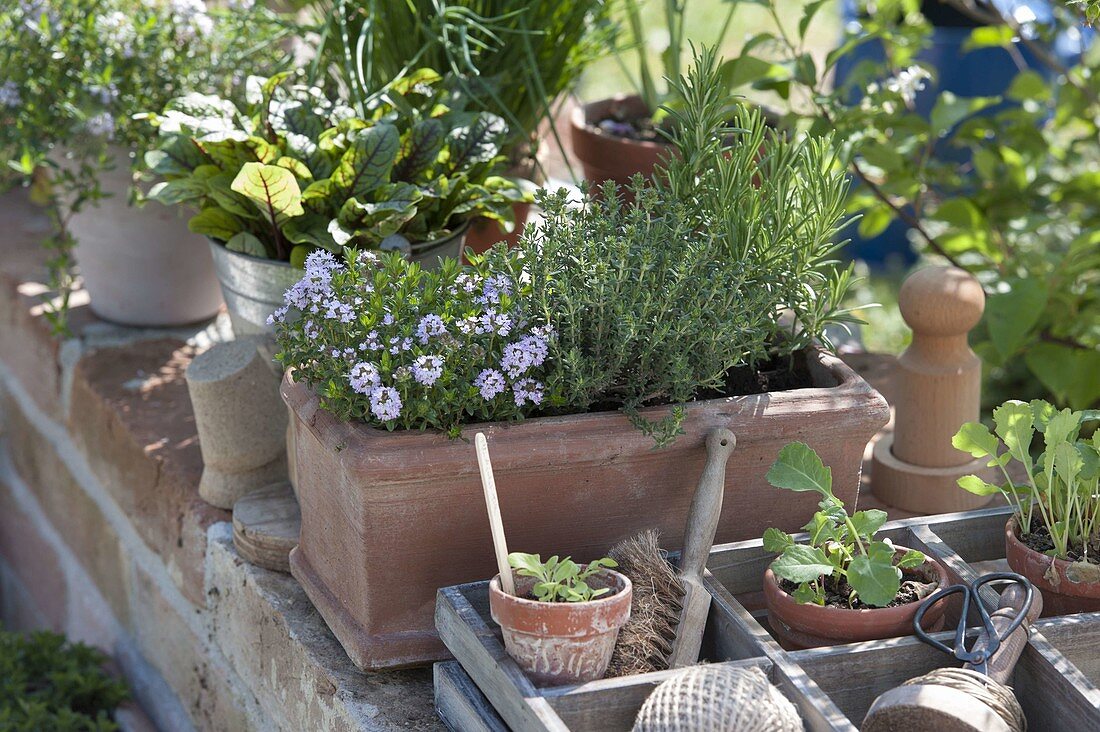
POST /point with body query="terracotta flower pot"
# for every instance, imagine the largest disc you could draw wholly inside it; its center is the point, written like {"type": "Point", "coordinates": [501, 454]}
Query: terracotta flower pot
{"type": "Point", "coordinates": [1065, 590]}
{"type": "Point", "coordinates": [799, 626]}
{"type": "Point", "coordinates": [407, 506]}
{"type": "Point", "coordinates": [559, 643]}
{"type": "Point", "coordinates": [141, 265]}
{"type": "Point", "coordinates": [484, 233]}
{"type": "Point", "coordinates": [608, 157]}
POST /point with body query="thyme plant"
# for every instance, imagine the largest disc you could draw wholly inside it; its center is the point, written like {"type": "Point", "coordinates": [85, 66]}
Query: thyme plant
{"type": "Point", "coordinates": [656, 298]}
{"type": "Point", "coordinates": [385, 342]}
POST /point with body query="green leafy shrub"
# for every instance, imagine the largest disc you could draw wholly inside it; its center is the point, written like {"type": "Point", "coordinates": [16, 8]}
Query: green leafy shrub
{"type": "Point", "coordinates": [393, 345]}
{"type": "Point", "coordinates": [1063, 481]}
{"type": "Point", "coordinates": [77, 71]}
{"type": "Point", "coordinates": [1020, 213]}
{"type": "Point", "coordinates": [655, 300]}
{"type": "Point", "coordinates": [842, 550]}
{"type": "Point", "coordinates": [296, 172]}
{"type": "Point", "coordinates": [560, 580]}
{"type": "Point", "coordinates": [47, 683]}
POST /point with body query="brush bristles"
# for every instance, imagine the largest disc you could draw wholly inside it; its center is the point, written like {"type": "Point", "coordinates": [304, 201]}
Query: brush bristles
{"type": "Point", "coordinates": [645, 642]}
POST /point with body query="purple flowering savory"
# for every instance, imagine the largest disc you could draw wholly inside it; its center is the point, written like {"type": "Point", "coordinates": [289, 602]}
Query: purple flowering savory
{"type": "Point", "coordinates": [397, 347]}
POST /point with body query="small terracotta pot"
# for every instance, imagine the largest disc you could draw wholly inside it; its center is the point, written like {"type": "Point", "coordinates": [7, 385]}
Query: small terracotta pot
{"type": "Point", "coordinates": [799, 626]}
{"type": "Point", "coordinates": [484, 233]}
{"type": "Point", "coordinates": [1057, 579]}
{"type": "Point", "coordinates": [607, 157]}
{"type": "Point", "coordinates": [559, 643]}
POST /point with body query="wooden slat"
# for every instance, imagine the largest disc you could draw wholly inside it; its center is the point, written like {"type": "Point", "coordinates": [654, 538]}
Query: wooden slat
{"type": "Point", "coordinates": [1054, 693]}
{"type": "Point", "coordinates": [1077, 637]}
{"type": "Point", "coordinates": [470, 639]}
{"type": "Point", "coordinates": [460, 704]}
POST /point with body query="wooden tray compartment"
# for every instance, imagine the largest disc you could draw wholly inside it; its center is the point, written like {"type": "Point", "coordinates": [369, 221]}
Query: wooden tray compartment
{"type": "Point", "coordinates": [1056, 679]}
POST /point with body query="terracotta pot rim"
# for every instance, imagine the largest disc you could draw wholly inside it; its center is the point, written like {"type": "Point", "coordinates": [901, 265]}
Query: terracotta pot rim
{"type": "Point", "coordinates": [626, 588]}
{"type": "Point", "coordinates": [771, 584]}
{"type": "Point", "coordinates": [579, 120]}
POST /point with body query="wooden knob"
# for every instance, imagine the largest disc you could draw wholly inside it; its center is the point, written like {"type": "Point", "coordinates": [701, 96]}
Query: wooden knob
{"type": "Point", "coordinates": [941, 301]}
{"type": "Point", "coordinates": [940, 377]}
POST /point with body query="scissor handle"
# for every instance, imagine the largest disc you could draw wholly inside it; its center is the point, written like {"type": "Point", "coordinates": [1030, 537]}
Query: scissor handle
{"type": "Point", "coordinates": [960, 631]}
{"type": "Point", "coordinates": [991, 636]}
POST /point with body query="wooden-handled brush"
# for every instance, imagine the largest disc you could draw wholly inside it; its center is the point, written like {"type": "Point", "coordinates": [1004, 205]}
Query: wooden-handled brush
{"type": "Point", "coordinates": [669, 608]}
{"type": "Point", "coordinates": [702, 522]}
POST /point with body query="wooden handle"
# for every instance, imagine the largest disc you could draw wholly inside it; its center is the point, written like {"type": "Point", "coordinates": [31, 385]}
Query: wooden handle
{"type": "Point", "coordinates": [496, 525]}
{"type": "Point", "coordinates": [999, 668]}
{"type": "Point", "coordinates": [706, 505]}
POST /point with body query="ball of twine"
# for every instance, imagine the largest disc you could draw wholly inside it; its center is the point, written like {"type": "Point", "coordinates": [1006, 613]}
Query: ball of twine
{"type": "Point", "coordinates": [996, 696]}
{"type": "Point", "coordinates": [717, 698]}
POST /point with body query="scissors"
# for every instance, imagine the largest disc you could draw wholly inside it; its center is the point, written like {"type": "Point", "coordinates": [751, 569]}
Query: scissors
{"type": "Point", "coordinates": [978, 658]}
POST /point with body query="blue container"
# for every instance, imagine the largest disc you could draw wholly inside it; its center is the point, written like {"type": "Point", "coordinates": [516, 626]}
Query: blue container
{"type": "Point", "coordinates": [981, 72]}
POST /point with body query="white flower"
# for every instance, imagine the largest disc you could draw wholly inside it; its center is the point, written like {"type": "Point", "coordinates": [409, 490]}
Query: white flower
{"type": "Point", "coordinates": [117, 31]}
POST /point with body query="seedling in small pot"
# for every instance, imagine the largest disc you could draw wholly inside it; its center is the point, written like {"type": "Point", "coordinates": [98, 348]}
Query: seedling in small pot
{"type": "Point", "coordinates": [560, 619]}
{"type": "Point", "coordinates": [1053, 538]}
{"type": "Point", "coordinates": [560, 580]}
{"type": "Point", "coordinates": [842, 548]}
{"type": "Point", "coordinates": [844, 585]}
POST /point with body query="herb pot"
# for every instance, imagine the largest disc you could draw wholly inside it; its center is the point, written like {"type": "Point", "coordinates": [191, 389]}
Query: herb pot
{"type": "Point", "coordinates": [558, 643]}
{"type": "Point", "coordinates": [484, 233]}
{"type": "Point", "coordinates": [1067, 587]}
{"type": "Point", "coordinates": [609, 157]}
{"type": "Point", "coordinates": [798, 626]}
{"type": "Point", "coordinates": [408, 505]}
{"type": "Point", "coordinates": [140, 265]}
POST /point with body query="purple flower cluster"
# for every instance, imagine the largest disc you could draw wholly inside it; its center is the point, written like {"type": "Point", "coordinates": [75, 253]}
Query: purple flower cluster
{"type": "Point", "coordinates": [392, 350]}
{"type": "Point", "coordinates": [430, 326]}
{"type": "Point", "coordinates": [527, 390]}
{"type": "Point", "coordinates": [523, 355]}
{"type": "Point", "coordinates": [364, 377]}
{"type": "Point", "coordinates": [490, 383]}
{"type": "Point", "coordinates": [385, 403]}
{"type": "Point", "coordinates": [427, 369]}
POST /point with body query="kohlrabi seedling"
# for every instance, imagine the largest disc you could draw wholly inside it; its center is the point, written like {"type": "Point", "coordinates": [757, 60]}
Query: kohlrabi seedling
{"type": "Point", "coordinates": [841, 547]}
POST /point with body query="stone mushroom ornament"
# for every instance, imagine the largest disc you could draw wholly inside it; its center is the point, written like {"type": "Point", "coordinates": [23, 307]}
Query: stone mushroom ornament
{"type": "Point", "coordinates": [241, 421]}
{"type": "Point", "coordinates": [916, 468]}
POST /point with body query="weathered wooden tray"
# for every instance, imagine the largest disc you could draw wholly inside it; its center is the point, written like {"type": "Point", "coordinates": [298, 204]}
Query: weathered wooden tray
{"type": "Point", "coordinates": [1057, 679]}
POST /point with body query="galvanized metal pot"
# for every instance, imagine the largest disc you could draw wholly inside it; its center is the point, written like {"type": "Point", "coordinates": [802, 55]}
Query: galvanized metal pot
{"type": "Point", "coordinates": [252, 287]}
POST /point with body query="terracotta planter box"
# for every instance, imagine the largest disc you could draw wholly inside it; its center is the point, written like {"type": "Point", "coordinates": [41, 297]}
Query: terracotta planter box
{"type": "Point", "coordinates": [389, 517]}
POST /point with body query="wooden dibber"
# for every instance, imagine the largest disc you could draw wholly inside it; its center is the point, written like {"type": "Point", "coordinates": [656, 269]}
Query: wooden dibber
{"type": "Point", "coordinates": [266, 524]}
{"type": "Point", "coordinates": [492, 505]}
{"type": "Point", "coordinates": [922, 705]}
{"type": "Point", "coordinates": [915, 468]}
{"type": "Point", "coordinates": [702, 522]}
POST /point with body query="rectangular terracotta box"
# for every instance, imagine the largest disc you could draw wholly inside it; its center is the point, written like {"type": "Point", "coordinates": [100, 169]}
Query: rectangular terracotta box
{"type": "Point", "coordinates": [389, 517]}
